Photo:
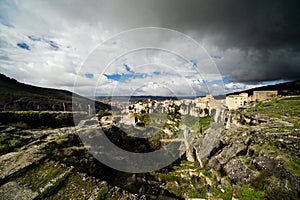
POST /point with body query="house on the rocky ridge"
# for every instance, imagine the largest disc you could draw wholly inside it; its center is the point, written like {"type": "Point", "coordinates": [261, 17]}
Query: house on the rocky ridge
{"type": "Point", "coordinates": [237, 101]}
{"type": "Point", "coordinates": [240, 100]}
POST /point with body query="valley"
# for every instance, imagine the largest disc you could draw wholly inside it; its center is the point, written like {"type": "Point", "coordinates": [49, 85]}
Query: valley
{"type": "Point", "coordinates": [254, 155]}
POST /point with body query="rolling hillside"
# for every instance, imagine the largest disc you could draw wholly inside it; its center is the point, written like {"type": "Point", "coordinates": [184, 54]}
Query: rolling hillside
{"type": "Point", "coordinates": [19, 96]}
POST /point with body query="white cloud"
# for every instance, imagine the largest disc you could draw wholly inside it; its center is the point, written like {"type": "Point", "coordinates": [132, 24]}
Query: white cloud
{"type": "Point", "coordinates": [44, 65]}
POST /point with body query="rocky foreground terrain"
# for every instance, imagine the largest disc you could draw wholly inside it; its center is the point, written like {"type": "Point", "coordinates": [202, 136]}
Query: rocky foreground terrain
{"type": "Point", "coordinates": [254, 155]}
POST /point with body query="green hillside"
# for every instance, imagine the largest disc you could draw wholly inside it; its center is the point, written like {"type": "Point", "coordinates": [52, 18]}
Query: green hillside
{"type": "Point", "coordinates": [19, 96]}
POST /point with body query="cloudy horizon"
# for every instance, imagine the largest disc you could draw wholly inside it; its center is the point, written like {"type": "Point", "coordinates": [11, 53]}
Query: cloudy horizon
{"type": "Point", "coordinates": [47, 43]}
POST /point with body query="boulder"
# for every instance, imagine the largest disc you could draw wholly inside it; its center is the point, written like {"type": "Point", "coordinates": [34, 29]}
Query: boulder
{"type": "Point", "coordinates": [209, 144]}
{"type": "Point", "coordinates": [238, 171]}
{"type": "Point", "coordinates": [226, 154]}
{"type": "Point", "coordinates": [88, 122]}
{"type": "Point", "coordinates": [264, 163]}
{"type": "Point", "coordinates": [13, 190]}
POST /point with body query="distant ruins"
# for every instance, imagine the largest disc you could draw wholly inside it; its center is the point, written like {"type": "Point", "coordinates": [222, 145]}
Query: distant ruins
{"type": "Point", "coordinates": [242, 99]}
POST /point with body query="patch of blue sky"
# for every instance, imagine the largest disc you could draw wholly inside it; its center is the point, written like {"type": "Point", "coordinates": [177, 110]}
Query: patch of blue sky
{"type": "Point", "coordinates": [198, 81]}
{"type": "Point", "coordinates": [23, 45]}
{"type": "Point", "coordinates": [52, 44]}
{"type": "Point", "coordinates": [226, 79]}
{"type": "Point", "coordinates": [217, 82]}
{"type": "Point", "coordinates": [115, 77]}
{"type": "Point", "coordinates": [89, 75]}
{"type": "Point", "coordinates": [124, 77]}
{"type": "Point", "coordinates": [127, 68]}
{"type": "Point", "coordinates": [274, 82]}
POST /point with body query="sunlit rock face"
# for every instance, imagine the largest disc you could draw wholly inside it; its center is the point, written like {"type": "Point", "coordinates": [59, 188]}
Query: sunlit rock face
{"type": "Point", "coordinates": [198, 107]}
{"type": "Point", "coordinates": [253, 145]}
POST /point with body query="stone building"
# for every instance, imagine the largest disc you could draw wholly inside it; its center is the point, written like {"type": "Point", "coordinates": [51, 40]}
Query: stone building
{"type": "Point", "coordinates": [206, 102]}
{"type": "Point", "coordinates": [242, 99]}
{"type": "Point", "coordinates": [237, 101]}
{"type": "Point", "coordinates": [264, 95]}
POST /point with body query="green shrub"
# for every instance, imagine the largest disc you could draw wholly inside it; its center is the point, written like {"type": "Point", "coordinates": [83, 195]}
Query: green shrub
{"type": "Point", "coordinates": [14, 142]}
{"type": "Point", "coordinates": [144, 118]}
{"type": "Point", "coordinates": [246, 192]}
{"type": "Point", "coordinates": [103, 113]}
{"type": "Point", "coordinates": [102, 195]}
{"type": "Point", "coordinates": [8, 143]}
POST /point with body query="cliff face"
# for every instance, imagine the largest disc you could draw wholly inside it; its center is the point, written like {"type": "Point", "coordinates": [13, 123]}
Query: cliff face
{"type": "Point", "coordinates": [191, 109]}
{"type": "Point", "coordinates": [258, 146]}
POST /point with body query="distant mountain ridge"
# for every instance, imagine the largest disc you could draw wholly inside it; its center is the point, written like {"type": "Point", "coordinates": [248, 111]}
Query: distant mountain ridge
{"type": "Point", "coordinates": [284, 89]}
{"type": "Point", "coordinates": [18, 96]}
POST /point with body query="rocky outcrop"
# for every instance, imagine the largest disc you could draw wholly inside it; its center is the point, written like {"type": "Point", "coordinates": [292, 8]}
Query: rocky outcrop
{"type": "Point", "coordinates": [55, 164]}
{"type": "Point", "coordinates": [188, 145]}
{"type": "Point", "coordinates": [226, 154]}
{"type": "Point", "coordinates": [13, 190]}
{"type": "Point", "coordinates": [209, 144]}
{"type": "Point", "coordinates": [270, 165]}
{"type": "Point", "coordinates": [88, 122]}
{"type": "Point", "coordinates": [247, 146]}
{"type": "Point", "coordinates": [238, 171]}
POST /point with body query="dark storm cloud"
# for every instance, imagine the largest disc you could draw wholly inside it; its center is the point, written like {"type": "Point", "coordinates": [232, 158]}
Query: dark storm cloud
{"type": "Point", "coordinates": [270, 29]}
{"type": "Point", "coordinates": [243, 24]}
{"type": "Point", "coordinates": [257, 40]}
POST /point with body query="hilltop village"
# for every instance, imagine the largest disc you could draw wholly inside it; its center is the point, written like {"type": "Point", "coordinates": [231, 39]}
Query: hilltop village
{"type": "Point", "coordinates": [199, 107]}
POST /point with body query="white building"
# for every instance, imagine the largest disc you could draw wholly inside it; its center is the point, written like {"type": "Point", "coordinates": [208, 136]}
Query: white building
{"type": "Point", "coordinates": [237, 101]}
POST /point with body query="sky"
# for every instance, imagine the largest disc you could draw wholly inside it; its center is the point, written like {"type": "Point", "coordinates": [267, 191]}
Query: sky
{"type": "Point", "coordinates": [66, 45]}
